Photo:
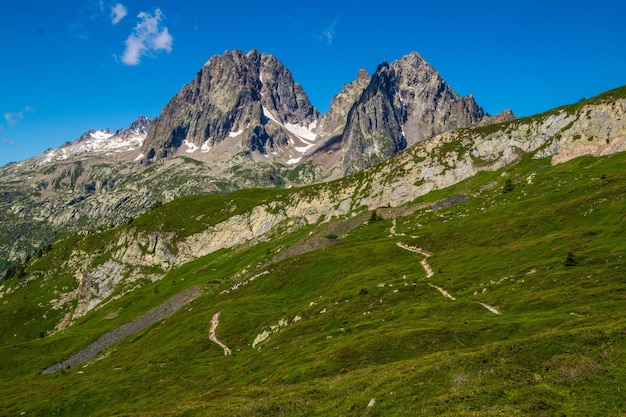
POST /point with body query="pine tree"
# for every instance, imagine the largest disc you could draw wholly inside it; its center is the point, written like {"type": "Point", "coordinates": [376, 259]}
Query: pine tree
{"type": "Point", "coordinates": [570, 260]}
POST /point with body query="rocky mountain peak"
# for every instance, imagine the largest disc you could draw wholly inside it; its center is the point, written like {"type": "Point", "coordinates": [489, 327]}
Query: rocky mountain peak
{"type": "Point", "coordinates": [247, 98]}
{"type": "Point", "coordinates": [405, 102]}
{"type": "Point", "coordinates": [140, 127]}
{"type": "Point", "coordinates": [363, 75]}
{"type": "Point", "coordinates": [334, 120]}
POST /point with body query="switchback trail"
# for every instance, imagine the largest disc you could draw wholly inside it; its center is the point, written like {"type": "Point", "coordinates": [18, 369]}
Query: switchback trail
{"type": "Point", "coordinates": [215, 320]}
{"type": "Point", "coordinates": [443, 292]}
{"type": "Point", "coordinates": [423, 262]}
{"type": "Point", "coordinates": [114, 336]}
{"type": "Point", "coordinates": [429, 270]}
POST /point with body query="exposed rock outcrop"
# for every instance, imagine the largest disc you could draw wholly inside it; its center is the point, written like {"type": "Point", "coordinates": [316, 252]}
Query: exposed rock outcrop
{"type": "Point", "coordinates": [334, 120]}
{"type": "Point", "coordinates": [406, 102]}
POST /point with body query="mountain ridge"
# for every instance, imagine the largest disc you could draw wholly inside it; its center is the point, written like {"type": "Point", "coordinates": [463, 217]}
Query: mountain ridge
{"type": "Point", "coordinates": [440, 162]}
{"type": "Point", "coordinates": [241, 122]}
{"type": "Point", "coordinates": [76, 194]}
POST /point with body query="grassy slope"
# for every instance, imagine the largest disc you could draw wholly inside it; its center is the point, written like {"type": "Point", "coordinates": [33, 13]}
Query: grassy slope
{"type": "Point", "coordinates": [557, 348]}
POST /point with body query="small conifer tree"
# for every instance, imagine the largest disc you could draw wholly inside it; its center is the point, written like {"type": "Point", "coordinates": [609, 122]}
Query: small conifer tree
{"type": "Point", "coordinates": [570, 260]}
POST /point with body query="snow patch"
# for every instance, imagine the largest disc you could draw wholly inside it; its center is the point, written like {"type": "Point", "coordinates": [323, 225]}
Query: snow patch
{"type": "Point", "coordinates": [270, 116]}
{"type": "Point", "coordinates": [191, 147]}
{"type": "Point", "coordinates": [100, 135]}
{"type": "Point", "coordinates": [97, 141]}
{"type": "Point", "coordinates": [305, 133]}
{"type": "Point", "coordinates": [293, 161]}
{"type": "Point", "coordinates": [139, 157]}
{"type": "Point", "coordinates": [235, 134]}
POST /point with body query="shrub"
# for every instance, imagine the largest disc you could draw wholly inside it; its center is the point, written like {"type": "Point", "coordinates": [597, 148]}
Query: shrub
{"type": "Point", "coordinates": [374, 217]}
{"type": "Point", "coordinates": [508, 186]}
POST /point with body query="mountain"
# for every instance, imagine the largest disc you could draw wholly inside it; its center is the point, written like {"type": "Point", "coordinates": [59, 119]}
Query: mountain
{"type": "Point", "coordinates": [333, 121]}
{"type": "Point", "coordinates": [478, 272]}
{"type": "Point", "coordinates": [237, 102]}
{"type": "Point", "coordinates": [242, 122]}
{"type": "Point", "coordinates": [406, 102]}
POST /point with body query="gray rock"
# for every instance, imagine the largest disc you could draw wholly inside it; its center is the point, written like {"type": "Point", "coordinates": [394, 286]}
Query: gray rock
{"type": "Point", "coordinates": [227, 100]}
{"type": "Point", "coordinates": [406, 102]}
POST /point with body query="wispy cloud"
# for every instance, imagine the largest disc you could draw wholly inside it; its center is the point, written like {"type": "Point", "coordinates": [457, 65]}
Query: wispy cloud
{"type": "Point", "coordinates": [4, 140]}
{"type": "Point", "coordinates": [328, 34]}
{"type": "Point", "coordinates": [148, 36]}
{"type": "Point", "coordinates": [14, 118]}
{"type": "Point", "coordinates": [118, 12]}
{"type": "Point", "coordinates": [94, 12]}
{"type": "Point", "coordinates": [7, 141]}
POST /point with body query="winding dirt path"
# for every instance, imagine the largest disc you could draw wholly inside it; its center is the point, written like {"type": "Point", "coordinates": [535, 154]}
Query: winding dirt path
{"type": "Point", "coordinates": [116, 335]}
{"type": "Point", "coordinates": [423, 262]}
{"type": "Point", "coordinates": [490, 308]}
{"type": "Point", "coordinates": [215, 321]}
{"type": "Point", "coordinates": [443, 292]}
{"type": "Point", "coordinates": [429, 270]}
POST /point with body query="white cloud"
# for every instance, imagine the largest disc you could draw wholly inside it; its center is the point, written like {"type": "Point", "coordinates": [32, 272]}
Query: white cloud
{"type": "Point", "coordinates": [149, 35]}
{"type": "Point", "coordinates": [118, 12]}
{"type": "Point", "coordinates": [14, 118]}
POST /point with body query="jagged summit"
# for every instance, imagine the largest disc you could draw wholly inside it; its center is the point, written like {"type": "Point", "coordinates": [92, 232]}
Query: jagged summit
{"type": "Point", "coordinates": [406, 102]}
{"type": "Point", "coordinates": [246, 102]}
{"type": "Point", "coordinates": [334, 120]}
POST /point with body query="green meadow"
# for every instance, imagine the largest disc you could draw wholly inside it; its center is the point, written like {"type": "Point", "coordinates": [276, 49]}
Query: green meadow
{"type": "Point", "coordinates": [355, 327]}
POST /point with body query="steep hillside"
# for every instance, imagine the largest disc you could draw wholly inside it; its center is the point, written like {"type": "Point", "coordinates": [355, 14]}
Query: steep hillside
{"type": "Point", "coordinates": [478, 274]}
{"type": "Point", "coordinates": [521, 315]}
{"type": "Point", "coordinates": [435, 164]}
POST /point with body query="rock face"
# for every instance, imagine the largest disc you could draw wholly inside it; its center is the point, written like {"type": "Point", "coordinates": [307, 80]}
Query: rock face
{"type": "Point", "coordinates": [334, 120]}
{"type": "Point", "coordinates": [504, 116]}
{"type": "Point", "coordinates": [406, 102]}
{"type": "Point", "coordinates": [250, 98]}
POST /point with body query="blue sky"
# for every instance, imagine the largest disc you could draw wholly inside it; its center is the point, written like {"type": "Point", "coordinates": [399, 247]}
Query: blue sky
{"type": "Point", "coordinates": [69, 66]}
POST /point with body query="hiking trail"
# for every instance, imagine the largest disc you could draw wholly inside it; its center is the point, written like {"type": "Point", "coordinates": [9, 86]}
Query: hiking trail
{"type": "Point", "coordinates": [215, 321]}
{"type": "Point", "coordinates": [428, 269]}
{"type": "Point", "coordinates": [443, 292]}
{"type": "Point", "coordinates": [490, 308]}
